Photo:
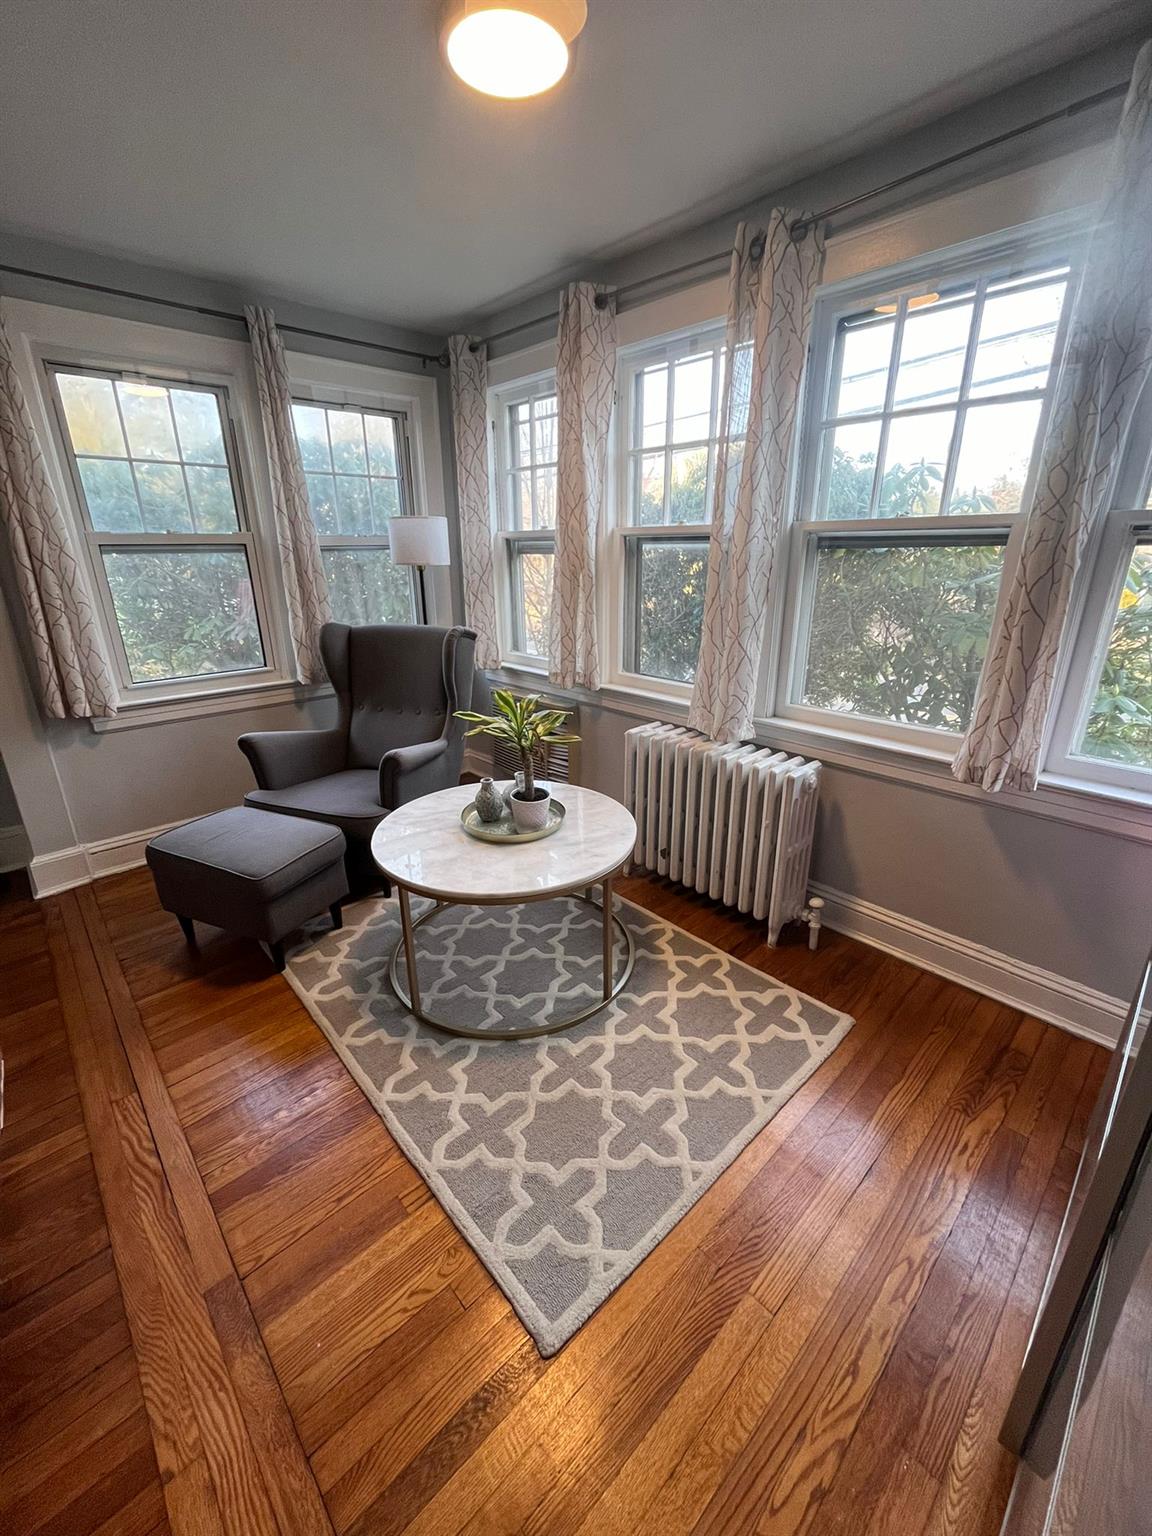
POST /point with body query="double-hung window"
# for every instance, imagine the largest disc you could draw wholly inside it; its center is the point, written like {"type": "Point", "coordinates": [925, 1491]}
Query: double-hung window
{"type": "Point", "coordinates": [922, 421]}
{"type": "Point", "coordinates": [670, 402]}
{"type": "Point", "coordinates": [171, 550]}
{"type": "Point", "coordinates": [356, 465]}
{"type": "Point", "coordinates": [525, 427]}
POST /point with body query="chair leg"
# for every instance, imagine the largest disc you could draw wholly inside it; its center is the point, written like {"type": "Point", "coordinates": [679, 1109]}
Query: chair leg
{"type": "Point", "coordinates": [276, 951]}
{"type": "Point", "coordinates": [337, 911]}
{"type": "Point", "coordinates": [189, 928]}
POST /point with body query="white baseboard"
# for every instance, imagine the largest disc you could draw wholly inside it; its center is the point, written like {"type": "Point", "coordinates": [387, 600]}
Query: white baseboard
{"type": "Point", "coordinates": [61, 871]}
{"type": "Point", "coordinates": [1056, 999]}
{"type": "Point", "coordinates": [15, 851]}
{"type": "Point", "coordinates": [1043, 994]}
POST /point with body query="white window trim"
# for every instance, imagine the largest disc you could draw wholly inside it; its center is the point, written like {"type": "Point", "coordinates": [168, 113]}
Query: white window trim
{"type": "Point", "coordinates": [405, 491]}
{"type": "Point", "coordinates": [1057, 240]}
{"type": "Point", "coordinates": [507, 539]}
{"type": "Point", "coordinates": [322, 380]}
{"type": "Point", "coordinates": [131, 694]}
{"type": "Point", "coordinates": [619, 536]}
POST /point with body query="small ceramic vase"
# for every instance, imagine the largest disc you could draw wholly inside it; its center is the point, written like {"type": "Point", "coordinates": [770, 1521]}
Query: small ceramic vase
{"type": "Point", "coordinates": [489, 802]}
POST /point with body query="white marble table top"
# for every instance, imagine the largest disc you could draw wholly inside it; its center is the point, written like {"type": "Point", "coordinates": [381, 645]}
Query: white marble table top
{"type": "Point", "coordinates": [423, 846]}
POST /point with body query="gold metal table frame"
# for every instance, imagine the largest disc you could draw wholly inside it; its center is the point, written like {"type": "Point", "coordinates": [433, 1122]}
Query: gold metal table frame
{"type": "Point", "coordinates": [611, 922]}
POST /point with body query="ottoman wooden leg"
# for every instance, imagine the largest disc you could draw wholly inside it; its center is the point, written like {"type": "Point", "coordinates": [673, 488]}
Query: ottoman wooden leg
{"type": "Point", "coordinates": [189, 928]}
{"type": "Point", "coordinates": [337, 912]}
{"type": "Point", "coordinates": [277, 952]}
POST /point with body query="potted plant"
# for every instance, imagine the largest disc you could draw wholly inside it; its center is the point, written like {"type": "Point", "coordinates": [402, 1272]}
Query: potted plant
{"type": "Point", "coordinates": [529, 726]}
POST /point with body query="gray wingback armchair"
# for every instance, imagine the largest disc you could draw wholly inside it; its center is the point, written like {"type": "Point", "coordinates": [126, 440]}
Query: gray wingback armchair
{"type": "Point", "coordinates": [395, 739]}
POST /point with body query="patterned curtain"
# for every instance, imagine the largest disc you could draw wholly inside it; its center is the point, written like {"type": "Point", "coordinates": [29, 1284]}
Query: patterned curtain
{"type": "Point", "coordinates": [771, 284]}
{"type": "Point", "coordinates": [469, 361]}
{"type": "Point", "coordinates": [585, 389]}
{"type": "Point", "coordinates": [1108, 361]}
{"type": "Point", "coordinates": [71, 667]}
{"type": "Point", "coordinates": [305, 585]}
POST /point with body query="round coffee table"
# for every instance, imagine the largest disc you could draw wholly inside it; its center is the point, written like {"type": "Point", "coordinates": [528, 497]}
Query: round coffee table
{"type": "Point", "coordinates": [423, 850]}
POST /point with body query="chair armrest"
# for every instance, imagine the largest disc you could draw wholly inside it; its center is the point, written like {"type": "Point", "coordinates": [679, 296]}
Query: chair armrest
{"type": "Point", "coordinates": [282, 758]}
{"type": "Point", "coordinates": [406, 773]}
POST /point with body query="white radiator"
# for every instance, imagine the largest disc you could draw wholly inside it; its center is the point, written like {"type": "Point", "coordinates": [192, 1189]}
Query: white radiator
{"type": "Point", "coordinates": [732, 822]}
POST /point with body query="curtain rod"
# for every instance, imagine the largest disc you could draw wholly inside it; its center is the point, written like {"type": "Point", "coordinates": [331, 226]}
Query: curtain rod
{"type": "Point", "coordinates": [799, 226]}
{"type": "Point", "coordinates": [440, 359]}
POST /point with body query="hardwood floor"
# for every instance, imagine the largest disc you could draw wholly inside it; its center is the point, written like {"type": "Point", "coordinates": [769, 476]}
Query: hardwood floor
{"type": "Point", "coordinates": [230, 1305]}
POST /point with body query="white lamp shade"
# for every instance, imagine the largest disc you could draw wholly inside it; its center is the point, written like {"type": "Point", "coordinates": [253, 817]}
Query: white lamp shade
{"type": "Point", "coordinates": [419, 540]}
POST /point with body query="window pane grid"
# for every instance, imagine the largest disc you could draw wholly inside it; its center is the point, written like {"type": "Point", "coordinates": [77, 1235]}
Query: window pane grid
{"type": "Point", "coordinates": [354, 473]}
{"type": "Point", "coordinates": [346, 498]}
{"type": "Point", "coordinates": [670, 468]}
{"type": "Point", "coordinates": [981, 413]}
{"type": "Point", "coordinates": [152, 492]}
{"type": "Point", "coordinates": [159, 495]}
{"type": "Point", "coordinates": [532, 460]}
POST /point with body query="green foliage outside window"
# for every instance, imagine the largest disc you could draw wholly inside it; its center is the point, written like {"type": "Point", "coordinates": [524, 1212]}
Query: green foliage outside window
{"type": "Point", "coordinates": [1120, 723]}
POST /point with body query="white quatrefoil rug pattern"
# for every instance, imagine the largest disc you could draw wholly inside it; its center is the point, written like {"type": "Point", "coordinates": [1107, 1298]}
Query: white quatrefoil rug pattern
{"type": "Point", "coordinates": [565, 1159]}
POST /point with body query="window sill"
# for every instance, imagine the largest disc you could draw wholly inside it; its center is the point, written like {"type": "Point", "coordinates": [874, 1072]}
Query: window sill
{"type": "Point", "coordinates": [220, 701]}
{"type": "Point", "coordinates": [619, 697]}
{"type": "Point", "coordinates": [1103, 807]}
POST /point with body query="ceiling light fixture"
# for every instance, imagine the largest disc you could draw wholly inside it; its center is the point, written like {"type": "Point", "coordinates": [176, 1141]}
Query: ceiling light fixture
{"type": "Point", "coordinates": [510, 48]}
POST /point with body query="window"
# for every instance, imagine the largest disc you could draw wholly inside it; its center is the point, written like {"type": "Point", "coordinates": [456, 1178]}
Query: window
{"type": "Point", "coordinates": [354, 463]}
{"type": "Point", "coordinates": [922, 416]}
{"type": "Point", "coordinates": [1103, 727]}
{"type": "Point", "coordinates": [171, 550]}
{"type": "Point", "coordinates": [526, 451]}
{"type": "Point", "coordinates": [671, 402]}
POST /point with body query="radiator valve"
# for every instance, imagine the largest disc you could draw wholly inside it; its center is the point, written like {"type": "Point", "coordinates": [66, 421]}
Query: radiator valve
{"type": "Point", "coordinates": [812, 915]}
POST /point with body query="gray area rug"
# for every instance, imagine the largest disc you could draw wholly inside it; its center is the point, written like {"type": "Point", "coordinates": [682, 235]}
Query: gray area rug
{"type": "Point", "coordinates": [563, 1160]}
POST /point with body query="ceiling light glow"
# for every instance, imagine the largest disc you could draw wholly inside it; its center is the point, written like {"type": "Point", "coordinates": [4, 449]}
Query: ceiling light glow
{"type": "Point", "coordinates": [515, 49]}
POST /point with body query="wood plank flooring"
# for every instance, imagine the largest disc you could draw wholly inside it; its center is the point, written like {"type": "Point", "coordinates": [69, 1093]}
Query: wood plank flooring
{"type": "Point", "coordinates": [229, 1304]}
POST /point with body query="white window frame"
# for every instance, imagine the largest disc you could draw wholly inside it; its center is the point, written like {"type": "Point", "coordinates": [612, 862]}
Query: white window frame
{"type": "Point", "coordinates": [624, 539]}
{"type": "Point", "coordinates": [786, 631]}
{"type": "Point", "coordinates": [1127, 521]}
{"type": "Point", "coordinates": [509, 542]}
{"type": "Point", "coordinates": [94, 542]}
{"type": "Point", "coordinates": [327, 401]}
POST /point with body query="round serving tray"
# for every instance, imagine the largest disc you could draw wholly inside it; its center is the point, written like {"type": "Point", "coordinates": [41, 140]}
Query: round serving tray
{"type": "Point", "coordinates": [504, 830]}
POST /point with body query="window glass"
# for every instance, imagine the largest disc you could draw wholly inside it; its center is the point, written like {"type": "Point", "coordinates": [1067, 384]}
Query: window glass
{"type": "Point", "coordinates": [354, 472]}
{"type": "Point", "coordinates": [150, 457]}
{"type": "Point", "coordinates": [532, 449]}
{"type": "Point", "coordinates": [1119, 723]}
{"type": "Point", "coordinates": [184, 612]}
{"type": "Point", "coordinates": [171, 557]}
{"type": "Point", "coordinates": [532, 596]}
{"type": "Point", "coordinates": [953, 384]}
{"type": "Point", "coordinates": [670, 582]}
{"type": "Point", "coordinates": [672, 451]}
{"type": "Point", "coordinates": [897, 629]}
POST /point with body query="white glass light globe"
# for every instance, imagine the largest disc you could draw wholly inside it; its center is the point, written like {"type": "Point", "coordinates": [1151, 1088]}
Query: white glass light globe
{"type": "Point", "coordinates": [507, 53]}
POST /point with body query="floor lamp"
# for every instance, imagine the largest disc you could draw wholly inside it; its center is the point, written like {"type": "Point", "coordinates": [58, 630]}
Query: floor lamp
{"type": "Point", "coordinates": [419, 541]}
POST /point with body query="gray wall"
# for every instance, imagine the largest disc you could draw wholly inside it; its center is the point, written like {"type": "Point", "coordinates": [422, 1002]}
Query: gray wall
{"type": "Point", "coordinates": [1070, 899]}
{"type": "Point", "coordinates": [1066, 898]}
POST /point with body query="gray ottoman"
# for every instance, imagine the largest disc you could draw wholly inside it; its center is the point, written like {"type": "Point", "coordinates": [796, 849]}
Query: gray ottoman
{"type": "Point", "coordinates": [252, 873]}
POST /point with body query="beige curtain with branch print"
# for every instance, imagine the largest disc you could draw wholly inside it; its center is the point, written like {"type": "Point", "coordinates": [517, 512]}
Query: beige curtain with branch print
{"type": "Point", "coordinates": [72, 669]}
{"type": "Point", "coordinates": [469, 365]}
{"type": "Point", "coordinates": [585, 391]}
{"type": "Point", "coordinates": [1108, 362]}
{"type": "Point", "coordinates": [305, 586]}
{"type": "Point", "coordinates": [772, 281]}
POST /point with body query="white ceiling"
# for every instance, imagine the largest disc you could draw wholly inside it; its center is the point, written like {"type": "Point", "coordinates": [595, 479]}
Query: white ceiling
{"type": "Point", "coordinates": [318, 150]}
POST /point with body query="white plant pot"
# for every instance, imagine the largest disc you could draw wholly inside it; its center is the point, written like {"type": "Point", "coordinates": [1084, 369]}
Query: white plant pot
{"type": "Point", "coordinates": [530, 815]}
